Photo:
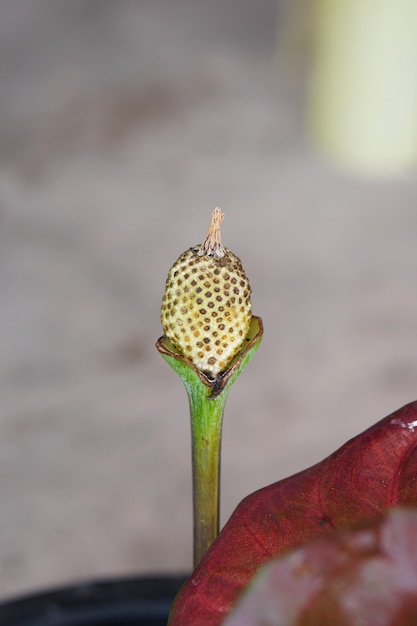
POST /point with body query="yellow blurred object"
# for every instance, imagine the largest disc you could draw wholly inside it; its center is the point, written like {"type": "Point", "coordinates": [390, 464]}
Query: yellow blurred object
{"type": "Point", "coordinates": [362, 109]}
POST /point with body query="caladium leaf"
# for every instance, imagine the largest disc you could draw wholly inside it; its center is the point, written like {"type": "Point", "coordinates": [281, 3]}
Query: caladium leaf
{"type": "Point", "coordinates": [369, 474]}
{"type": "Point", "coordinates": [366, 576]}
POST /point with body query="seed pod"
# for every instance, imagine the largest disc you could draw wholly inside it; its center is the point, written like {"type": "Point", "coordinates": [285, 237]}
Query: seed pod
{"type": "Point", "coordinates": [206, 308]}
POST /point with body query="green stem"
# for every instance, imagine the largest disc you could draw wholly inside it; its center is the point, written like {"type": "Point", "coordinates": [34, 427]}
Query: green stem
{"type": "Point", "coordinates": [206, 433]}
{"type": "Point", "coordinates": [207, 398]}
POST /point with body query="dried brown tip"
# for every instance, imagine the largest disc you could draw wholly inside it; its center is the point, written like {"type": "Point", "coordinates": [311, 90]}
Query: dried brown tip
{"type": "Point", "coordinates": [212, 244]}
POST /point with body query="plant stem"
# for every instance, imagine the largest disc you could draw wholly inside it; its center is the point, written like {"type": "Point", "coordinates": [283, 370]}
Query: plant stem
{"type": "Point", "coordinates": [206, 434]}
{"type": "Point", "coordinates": [207, 398]}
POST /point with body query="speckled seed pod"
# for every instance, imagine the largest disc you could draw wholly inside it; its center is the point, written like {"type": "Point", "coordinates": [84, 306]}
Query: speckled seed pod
{"type": "Point", "coordinates": [206, 308]}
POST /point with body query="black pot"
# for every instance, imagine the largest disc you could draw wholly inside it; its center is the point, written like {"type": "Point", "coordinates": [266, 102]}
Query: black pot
{"type": "Point", "coordinates": [125, 602]}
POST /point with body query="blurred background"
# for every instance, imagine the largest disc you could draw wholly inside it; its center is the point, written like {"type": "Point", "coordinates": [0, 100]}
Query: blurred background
{"type": "Point", "coordinates": [122, 125]}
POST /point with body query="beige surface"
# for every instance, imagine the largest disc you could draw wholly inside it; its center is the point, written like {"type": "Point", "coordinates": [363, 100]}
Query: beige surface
{"type": "Point", "coordinates": [122, 124]}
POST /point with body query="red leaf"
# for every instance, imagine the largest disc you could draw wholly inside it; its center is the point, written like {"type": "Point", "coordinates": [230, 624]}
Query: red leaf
{"type": "Point", "coordinates": [366, 577]}
{"type": "Point", "coordinates": [360, 481]}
